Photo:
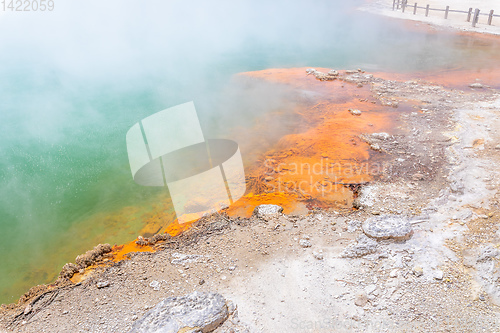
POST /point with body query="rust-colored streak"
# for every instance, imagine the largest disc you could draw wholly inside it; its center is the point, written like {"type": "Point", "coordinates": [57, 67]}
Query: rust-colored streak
{"type": "Point", "coordinates": [175, 228]}
{"type": "Point", "coordinates": [315, 166]}
{"type": "Point", "coordinates": [120, 252]}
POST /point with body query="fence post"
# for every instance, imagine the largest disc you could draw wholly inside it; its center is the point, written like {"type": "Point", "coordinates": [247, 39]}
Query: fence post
{"type": "Point", "coordinates": [490, 17]}
{"type": "Point", "coordinates": [427, 10]}
{"type": "Point", "coordinates": [397, 5]}
{"type": "Point", "coordinates": [469, 14]}
{"type": "Point", "coordinates": [415, 9]}
{"type": "Point", "coordinates": [475, 18]}
{"type": "Point", "coordinates": [393, 4]}
{"type": "Point", "coordinates": [403, 6]}
{"type": "Point", "coordinates": [446, 12]}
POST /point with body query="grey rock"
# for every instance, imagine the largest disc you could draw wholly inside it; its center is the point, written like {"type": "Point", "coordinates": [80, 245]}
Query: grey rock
{"type": "Point", "coordinates": [353, 225]}
{"type": "Point", "coordinates": [196, 312]}
{"type": "Point", "coordinates": [305, 243]}
{"type": "Point", "coordinates": [318, 255]}
{"type": "Point", "coordinates": [103, 284]}
{"type": "Point", "coordinates": [155, 285]}
{"type": "Point", "coordinates": [418, 271]}
{"type": "Point", "coordinates": [438, 274]}
{"type": "Point", "coordinates": [376, 147]}
{"type": "Point", "coordinates": [363, 246]}
{"type": "Point", "coordinates": [355, 112]}
{"type": "Point", "coordinates": [388, 227]}
{"type": "Point", "coordinates": [476, 85]}
{"type": "Point", "coordinates": [180, 259]}
{"type": "Point", "coordinates": [487, 253]}
{"type": "Point", "coordinates": [381, 136]}
{"type": "Point", "coordinates": [361, 299]}
{"type": "Point", "coordinates": [417, 177]}
{"type": "Point", "coordinates": [267, 210]}
{"type": "Point", "coordinates": [28, 309]}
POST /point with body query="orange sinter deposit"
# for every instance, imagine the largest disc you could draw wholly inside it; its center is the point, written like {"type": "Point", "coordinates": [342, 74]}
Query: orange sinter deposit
{"type": "Point", "coordinates": [323, 163]}
{"type": "Point", "coordinates": [320, 161]}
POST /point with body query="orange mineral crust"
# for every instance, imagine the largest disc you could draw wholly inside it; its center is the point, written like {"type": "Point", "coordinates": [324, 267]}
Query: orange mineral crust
{"type": "Point", "coordinates": [120, 252]}
{"type": "Point", "coordinates": [318, 165]}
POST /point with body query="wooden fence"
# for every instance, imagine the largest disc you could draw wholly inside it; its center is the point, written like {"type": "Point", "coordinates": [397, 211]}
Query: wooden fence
{"type": "Point", "coordinates": [403, 5]}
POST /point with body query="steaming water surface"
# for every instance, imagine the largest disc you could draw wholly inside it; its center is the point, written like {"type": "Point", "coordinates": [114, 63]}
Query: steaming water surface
{"type": "Point", "coordinates": [73, 81]}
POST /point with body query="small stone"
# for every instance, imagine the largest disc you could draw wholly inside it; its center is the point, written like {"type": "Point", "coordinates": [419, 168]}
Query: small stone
{"type": "Point", "coordinates": [418, 176]}
{"type": "Point", "coordinates": [438, 275]}
{"type": "Point", "coordinates": [353, 225]}
{"type": "Point", "coordinates": [381, 135]}
{"type": "Point", "coordinates": [231, 268]}
{"type": "Point", "coordinates": [305, 243]}
{"type": "Point", "coordinates": [103, 284]}
{"type": "Point", "coordinates": [27, 309]}
{"type": "Point", "coordinates": [310, 71]}
{"type": "Point", "coordinates": [393, 273]}
{"type": "Point", "coordinates": [364, 245]}
{"type": "Point", "coordinates": [183, 259]}
{"type": "Point", "coordinates": [488, 252]}
{"type": "Point", "coordinates": [267, 210]}
{"type": "Point", "coordinates": [201, 282]}
{"type": "Point", "coordinates": [418, 271]}
{"type": "Point", "coordinates": [318, 255]}
{"type": "Point", "coordinates": [388, 227]}
{"type": "Point", "coordinates": [355, 112]}
{"type": "Point", "coordinates": [361, 299]}
{"type": "Point", "coordinates": [476, 85]}
{"type": "Point", "coordinates": [155, 285]}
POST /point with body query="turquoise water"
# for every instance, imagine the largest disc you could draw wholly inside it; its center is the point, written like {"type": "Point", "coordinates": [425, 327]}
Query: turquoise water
{"type": "Point", "coordinates": [73, 81]}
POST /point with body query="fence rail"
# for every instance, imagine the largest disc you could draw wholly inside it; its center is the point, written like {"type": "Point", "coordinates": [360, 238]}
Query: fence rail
{"type": "Point", "coordinates": [474, 14]}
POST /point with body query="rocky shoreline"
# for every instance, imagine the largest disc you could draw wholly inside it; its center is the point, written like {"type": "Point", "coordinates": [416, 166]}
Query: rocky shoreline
{"type": "Point", "coordinates": [419, 253]}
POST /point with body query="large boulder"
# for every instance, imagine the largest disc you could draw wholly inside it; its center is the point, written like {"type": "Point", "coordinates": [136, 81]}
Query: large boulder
{"type": "Point", "coordinates": [196, 312]}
